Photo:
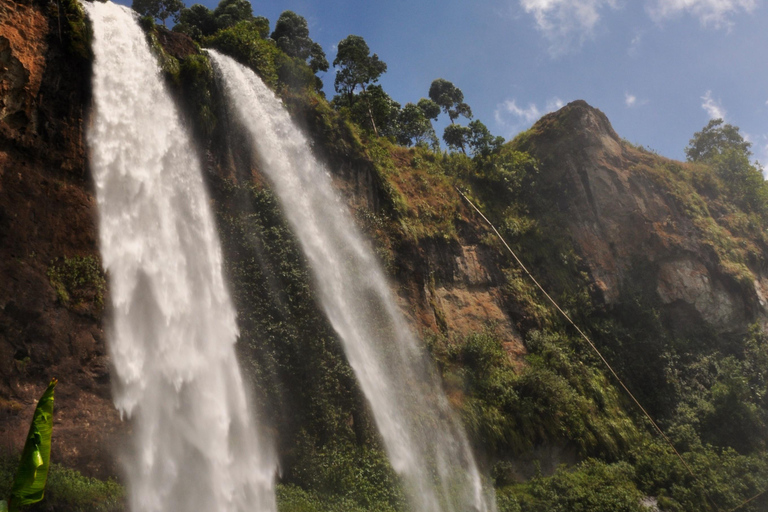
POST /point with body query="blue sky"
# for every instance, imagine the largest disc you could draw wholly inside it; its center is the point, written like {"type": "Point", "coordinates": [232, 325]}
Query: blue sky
{"type": "Point", "coordinates": [659, 69]}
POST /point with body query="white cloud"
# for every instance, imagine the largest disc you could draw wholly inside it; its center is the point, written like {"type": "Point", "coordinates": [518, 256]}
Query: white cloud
{"type": "Point", "coordinates": [715, 13]}
{"type": "Point", "coordinates": [565, 22]}
{"type": "Point", "coordinates": [528, 114]}
{"type": "Point", "coordinates": [634, 45]}
{"type": "Point", "coordinates": [554, 104]}
{"type": "Point", "coordinates": [630, 99]}
{"type": "Point", "coordinates": [713, 108]}
{"type": "Point", "coordinates": [511, 117]}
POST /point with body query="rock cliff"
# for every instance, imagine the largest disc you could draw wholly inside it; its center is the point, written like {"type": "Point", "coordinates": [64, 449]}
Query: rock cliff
{"type": "Point", "coordinates": [622, 211]}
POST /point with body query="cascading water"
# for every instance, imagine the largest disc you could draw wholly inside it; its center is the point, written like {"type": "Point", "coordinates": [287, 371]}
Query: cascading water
{"type": "Point", "coordinates": [425, 442]}
{"type": "Point", "coordinates": [173, 332]}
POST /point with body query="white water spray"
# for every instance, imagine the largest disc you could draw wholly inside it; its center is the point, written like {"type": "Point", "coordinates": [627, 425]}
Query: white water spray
{"type": "Point", "coordinates": [425, 441]}
{"type": "Point", "coordinates": [173, 332]}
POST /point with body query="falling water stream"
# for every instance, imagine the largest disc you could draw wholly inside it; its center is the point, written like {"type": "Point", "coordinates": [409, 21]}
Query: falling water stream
{"type": "Point", "coordinates": [425, 441]}
{"type": "Point", "coordinates": [173, 325]}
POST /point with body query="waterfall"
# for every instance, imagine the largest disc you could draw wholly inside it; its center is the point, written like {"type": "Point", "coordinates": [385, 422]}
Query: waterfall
{"type": "Point", "coordinates": [425, 441]}
{"type": "Point", "coordinates": [173, 327]}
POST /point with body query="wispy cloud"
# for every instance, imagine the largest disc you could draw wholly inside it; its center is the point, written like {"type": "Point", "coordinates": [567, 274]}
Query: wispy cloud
{"type": "Point", "coordinates": [512, 117]}
{"type": "Point", "coordinates": [713, 107]}
{"type": "Point", "coordinates": [634, 45]}
{"type": "Point", "coordinates": [630, 99]}
{"type": "Point", "coordinates": [715, 13]}
{"type": "Point", "coordinates": [566, 22]}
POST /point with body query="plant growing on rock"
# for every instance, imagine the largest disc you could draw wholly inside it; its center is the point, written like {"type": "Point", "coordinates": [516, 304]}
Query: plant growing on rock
{"type": "Point", "coordinates": [32, 473]}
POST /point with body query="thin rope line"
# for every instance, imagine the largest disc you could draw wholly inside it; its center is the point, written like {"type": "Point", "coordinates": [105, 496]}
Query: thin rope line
{"type": "Point", "coordinates": [600, 355]}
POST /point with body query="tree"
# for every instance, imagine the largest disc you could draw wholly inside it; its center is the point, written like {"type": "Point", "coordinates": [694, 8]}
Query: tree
{"type": "Point", "coordinates": [429, 108]}
{"type": "Point", "coordinates": [450, 99]}
{"type": "Point", "coordinates": [357, 68]}
{"type": "Point", "coordinates": [291, 35]}
{"type": "Point", "coordinates": [159, 9]}
{"type": "Point", "coordinates": [229, 12]}
{"type": "Point", "coordinates": [374, 108]}
{"type": "Point", "coordinates": [714, 139]}
{"type": "Point", "coordinates": [414, 127]}
{"type": "Point", "coordinates": [481, 141]}
{"type": "Point", "coordinates": [456, 136]}
{"type": "Point", "coordinates": [196, 21]}
{"type": "Point", "coordinates": [722, 147]}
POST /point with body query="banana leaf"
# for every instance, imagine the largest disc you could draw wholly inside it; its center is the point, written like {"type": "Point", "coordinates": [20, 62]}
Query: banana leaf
{"type": "Point", "coordinates": [32, 473]}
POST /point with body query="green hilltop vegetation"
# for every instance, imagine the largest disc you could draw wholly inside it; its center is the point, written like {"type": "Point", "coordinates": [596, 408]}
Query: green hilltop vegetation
{"type": "Point", "coordinates": [709, 395]}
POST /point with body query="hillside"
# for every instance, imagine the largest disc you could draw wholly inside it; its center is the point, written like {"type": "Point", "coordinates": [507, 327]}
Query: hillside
{"type": "Point", "coordinates": [660, 262]}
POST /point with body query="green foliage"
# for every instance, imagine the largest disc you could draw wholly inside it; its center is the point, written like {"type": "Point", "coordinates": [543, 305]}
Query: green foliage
{"type": "Point", "coordinates": [196, 21]}
{"type": "Point", "coordinates": [244, 43]}
{"type": "Point", "coordinates": [414, 127]}
{"type": "Point", "coordinates": [372, 109]}
{"type": "Point", "coordinates": [357, 67]}
{"type": "Point", "coordinates": [29, 483]}
{"type": "Point", "coordinates": [159, 9]}
{"type": "Point", "coordinates": [480, 140]}
{"type": "Point", "coordinates": [78, 281]}
{"type": "Point", "coordinates": [556, 398]}
{"type": "Point", "coordinates": [291, 498]}
{"type": "Point", "coordinates": [292, 36]}
{"type": "Point", "coordinates": [197, 80]}
{"type": "Point", "coordinates": [69, 490]}
{"type": "Point", "coordinates": [456, 136]}
{"type": "Point", "coordinates": [450, 99]}
{"type": "Point", "coordinates": [714, 139]}
{"type": "Point", "coordinates": [233, 12]}
{"type": "Point", "coordinates": [593, 486]}
{"type": "Point", "coordinates": [76, 29]}
{"type": "Point", "coordinates": [359, 475]}
{"type": "Point", "coordinates": [429, 108]}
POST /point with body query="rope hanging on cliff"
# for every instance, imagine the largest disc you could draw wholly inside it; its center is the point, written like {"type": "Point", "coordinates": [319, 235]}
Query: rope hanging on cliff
{"type": "Point", "coordinates": [600, 355]}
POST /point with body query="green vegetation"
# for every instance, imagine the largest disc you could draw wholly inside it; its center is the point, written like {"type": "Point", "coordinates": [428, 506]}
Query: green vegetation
{"type": "Point", "coordinates": [79, 282]}
{"type": "Point", "coordinates": [69, 490]}
{"type": "Point", "coordinates": [449, 98]}
{"type": "Point", "coordinates": [28, 484]}
{"type": "Point", "coordinates": [159, 9]}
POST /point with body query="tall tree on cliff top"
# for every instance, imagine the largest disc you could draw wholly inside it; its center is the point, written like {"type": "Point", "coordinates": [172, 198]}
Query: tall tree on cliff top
{"type": "Point", "coordinates": [450, 99]}
{"type": "Point", "coordinates": [159, 9]}
{"type": "Point", "coordinates": [357, 68]}
{"type": "Point", "coordinates": [292, 36]}
{"type": "Point", "coordinates": [722, 147]}
{"type": "Point", "coordinates": [229, 12]}
{"type": "Point", "coordinates": [714, 139]}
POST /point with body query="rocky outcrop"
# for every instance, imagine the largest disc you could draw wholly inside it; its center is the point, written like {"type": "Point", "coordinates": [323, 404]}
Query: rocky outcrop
{"type": "Point", "coordinates": [47, 217]}
{"type": "Point", "coordinates": [623, 222]}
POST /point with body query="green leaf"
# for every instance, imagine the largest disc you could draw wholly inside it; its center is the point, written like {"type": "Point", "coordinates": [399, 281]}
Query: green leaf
{"type": "Point", "coordinates": [3, 506]}
{"type": "Point", "coordinates": [32, 473]}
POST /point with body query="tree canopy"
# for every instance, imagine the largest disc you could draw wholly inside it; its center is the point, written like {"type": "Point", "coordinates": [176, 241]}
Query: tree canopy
{"type": "Point", "coordinates": [159, 9]}
{"type": "Point", "coordinates": [449, 98]}
{"type": "Point", "coordinates": [414, 127]}
{"type": "Point", "coordinates": [291, 35]}
{"type": "Point", "coordinates": [714, 139]}
{"type": "Point", "coordinates": [229, 12]}
{"type": "Point", "coordinates": [357, 67]}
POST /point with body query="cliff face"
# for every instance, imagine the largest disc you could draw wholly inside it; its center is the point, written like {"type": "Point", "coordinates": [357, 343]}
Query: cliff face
{"type": "Point", "coordinates": [47, 218]}
{"type": "Point", "coordinates": [623, 213]}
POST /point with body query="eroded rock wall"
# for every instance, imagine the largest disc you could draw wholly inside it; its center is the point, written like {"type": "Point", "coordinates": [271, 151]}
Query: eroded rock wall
{"type": "Point", "coordinates": [47, 215]}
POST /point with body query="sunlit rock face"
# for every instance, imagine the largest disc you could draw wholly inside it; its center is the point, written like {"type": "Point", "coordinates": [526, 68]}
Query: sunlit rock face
{"type": "Point", "coordinates": [630, 229]}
